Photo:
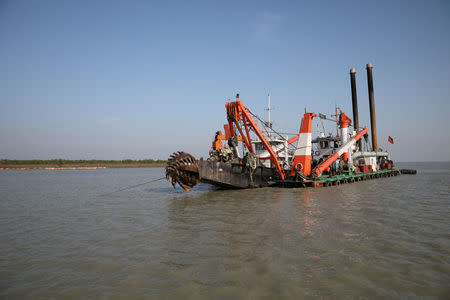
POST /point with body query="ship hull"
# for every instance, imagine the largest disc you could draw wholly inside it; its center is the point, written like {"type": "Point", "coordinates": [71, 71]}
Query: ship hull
{"type": "Point", "coordinates": [236, 176]}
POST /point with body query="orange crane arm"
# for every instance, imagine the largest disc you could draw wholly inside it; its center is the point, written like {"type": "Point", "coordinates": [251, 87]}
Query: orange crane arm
{"type": "Point", "coordinates": [327, 162]}
{"type": "Point", "coordinates": [236, 111]}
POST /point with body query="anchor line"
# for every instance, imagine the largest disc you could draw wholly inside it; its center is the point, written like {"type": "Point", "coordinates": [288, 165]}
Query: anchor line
{"type": "Point", "coordinates": [130, 187]}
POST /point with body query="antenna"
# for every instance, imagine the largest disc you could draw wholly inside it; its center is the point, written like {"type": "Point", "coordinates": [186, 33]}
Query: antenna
{"type": "Point", "coordinates": [268, 123]}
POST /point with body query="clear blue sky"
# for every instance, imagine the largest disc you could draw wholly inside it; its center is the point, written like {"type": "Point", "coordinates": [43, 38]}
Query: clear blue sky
{"type": "Point", "coordinates": [141, 79]}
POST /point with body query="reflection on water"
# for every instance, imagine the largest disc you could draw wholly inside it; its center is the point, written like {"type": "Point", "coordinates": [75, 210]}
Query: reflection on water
{"type": "Point", "coordinates": [383, 238]}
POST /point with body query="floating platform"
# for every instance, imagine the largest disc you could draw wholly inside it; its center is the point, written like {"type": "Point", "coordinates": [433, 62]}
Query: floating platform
{"type": "Point", "coordinates": [326, 181]}
{"type": "Point", "coordinates": [408, 171]}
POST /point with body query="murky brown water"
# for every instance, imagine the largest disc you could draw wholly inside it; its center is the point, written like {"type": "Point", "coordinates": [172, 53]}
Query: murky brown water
{"type": "Point", "coordinates": [385, 238]}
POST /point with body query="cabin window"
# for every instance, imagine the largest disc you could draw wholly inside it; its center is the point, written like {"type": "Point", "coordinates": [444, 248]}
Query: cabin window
{"type": "Point", "coordinates": [324, 144]}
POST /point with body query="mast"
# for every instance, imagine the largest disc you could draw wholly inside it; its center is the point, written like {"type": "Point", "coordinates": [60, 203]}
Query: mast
{"type": "Point", "coordinates": [269, 124]}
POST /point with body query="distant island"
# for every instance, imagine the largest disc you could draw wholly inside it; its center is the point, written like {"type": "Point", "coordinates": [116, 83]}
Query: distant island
{"type": "Point", "coordinates": [79, 164]}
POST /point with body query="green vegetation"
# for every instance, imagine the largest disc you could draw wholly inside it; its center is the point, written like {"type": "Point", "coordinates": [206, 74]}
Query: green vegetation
{"type": "Point", "coordinates": [39, 163]}
{"type": "Point", "coordinates": [81, 161]}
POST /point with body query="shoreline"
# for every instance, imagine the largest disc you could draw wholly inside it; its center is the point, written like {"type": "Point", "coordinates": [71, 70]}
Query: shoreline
{"type": "Point", "coordinates": [79, 166]}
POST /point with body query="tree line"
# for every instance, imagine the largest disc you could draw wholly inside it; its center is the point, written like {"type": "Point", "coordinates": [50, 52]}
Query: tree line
{"type": "Point", "coordinates": [59, 161]}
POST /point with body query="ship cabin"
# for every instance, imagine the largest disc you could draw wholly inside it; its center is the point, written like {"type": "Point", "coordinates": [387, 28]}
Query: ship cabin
{"type": "Point", "coordinates": [279, 145]}
{"type": "Point", "coordinates": [324, 146]}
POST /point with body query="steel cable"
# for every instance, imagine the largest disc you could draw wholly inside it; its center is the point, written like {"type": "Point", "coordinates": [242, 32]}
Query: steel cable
{"type": "Point", "coordinates": [130, 187]}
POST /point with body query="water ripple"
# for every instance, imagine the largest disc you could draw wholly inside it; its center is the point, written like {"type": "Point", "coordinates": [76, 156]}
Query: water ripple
{"type": "Point", "coordinates": [385, 238]}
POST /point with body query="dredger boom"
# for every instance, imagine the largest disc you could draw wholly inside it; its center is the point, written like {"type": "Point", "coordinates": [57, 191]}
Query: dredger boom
{"type": "Point", "coordinates": [340, 151]}
{"type": "Point", "coordinates": [236, 111]}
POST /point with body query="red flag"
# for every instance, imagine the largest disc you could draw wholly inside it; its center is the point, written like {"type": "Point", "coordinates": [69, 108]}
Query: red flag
{"type": "Point", "coordinates": [391, 140]}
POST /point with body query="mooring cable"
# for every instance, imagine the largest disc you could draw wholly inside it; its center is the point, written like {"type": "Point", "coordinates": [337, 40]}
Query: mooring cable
{"type": "Point", "coordinates": [130, 187]}
{"type": "Point", "coordinates": [263, 123]}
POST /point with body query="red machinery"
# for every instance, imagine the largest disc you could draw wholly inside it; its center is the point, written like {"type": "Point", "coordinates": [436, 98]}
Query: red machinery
{"type": "Point", "coordinates": [238, 115]}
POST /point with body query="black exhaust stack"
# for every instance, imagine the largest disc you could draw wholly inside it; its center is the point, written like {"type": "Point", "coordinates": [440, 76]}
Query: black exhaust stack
{"type": "Point", "coordinates": [355, 104]}
{"type": "Point", "coordinates": [373, 121]}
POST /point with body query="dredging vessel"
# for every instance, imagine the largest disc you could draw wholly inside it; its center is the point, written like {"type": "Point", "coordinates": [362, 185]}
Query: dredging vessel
{"type": "Point", "coordinates": [248, 155]}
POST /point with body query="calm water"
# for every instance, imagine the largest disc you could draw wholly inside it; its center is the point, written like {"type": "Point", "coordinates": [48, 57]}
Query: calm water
{"type": "Point", "coordinates": [385, 238]}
